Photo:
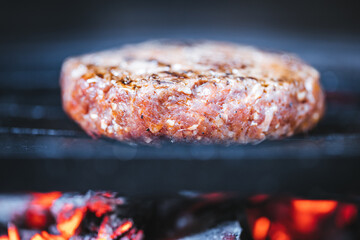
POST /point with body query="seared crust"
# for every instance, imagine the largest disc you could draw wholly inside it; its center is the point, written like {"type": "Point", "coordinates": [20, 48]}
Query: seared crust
{"type": "Point", "coordinates": [207, 92]}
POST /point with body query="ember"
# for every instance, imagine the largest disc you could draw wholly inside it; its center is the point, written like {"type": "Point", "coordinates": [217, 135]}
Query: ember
{"type": "Point", "coordinates": [67, 227]}
{"type": "Point", "coordinates": [295, 219]}
{"type": "Point", "coordinates": [60, 217]}
{"type": "Point", "coordinates": [104, 216]}
{"type": "Point", "coordinates": [261, 228]}
{"type": "Point", "coordinates": [122, 229]}
{"type": "Point", "coordinates": [37, 215]}
{"type": "Point", "coordinates": [13, 233]}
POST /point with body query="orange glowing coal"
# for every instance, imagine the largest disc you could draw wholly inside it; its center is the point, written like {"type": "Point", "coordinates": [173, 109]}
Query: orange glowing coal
{"type": "Point", "coordinates": [63, 220]}
{"type": "Point", "coordinates": [45, 199]}
{"type": "Point", "coordinates": [280, 235]}
{"type": "Point", "coordinates": [68, 227]}
{"type": "Point", "coordinates": [307, 213]}
{"type": "Point", "coordinates": [314, 206]}
{"type": "Point", "coordinates": [13, 232]}
{"type": "Point", "coordinates": [347, 214]}
{"type": "Point", "coordinates": [298, 219]}
{"type": "Point", "coordinates": [103, 230]}
{"type": "Point", "coordinates": [99, 207]}
{"type": "Point", "coordinates": [261, 228]}
{"type": "Point", "coordinates": [46, 236]}
{"type": "Point", "coordinates": [122, 229]}
{"type": "Point", "coordinates": [38, 237]}
{"type": "Point", "coordinates": [36, 214]}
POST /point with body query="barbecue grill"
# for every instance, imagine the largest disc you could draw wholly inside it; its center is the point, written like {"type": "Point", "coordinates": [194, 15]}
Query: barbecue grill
{"type": "Point", "coordinates": [42, 150]}
{"type": "Point", "coordinates": [36, 134]}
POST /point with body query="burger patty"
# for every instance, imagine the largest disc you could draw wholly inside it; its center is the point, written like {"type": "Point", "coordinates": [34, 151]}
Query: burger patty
{"type": "Point", "coordinates": [208, 92]}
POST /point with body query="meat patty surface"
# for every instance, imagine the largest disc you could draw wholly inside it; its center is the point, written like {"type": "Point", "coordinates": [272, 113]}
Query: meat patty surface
{"type": "Point", "coordinates": [207, 92]}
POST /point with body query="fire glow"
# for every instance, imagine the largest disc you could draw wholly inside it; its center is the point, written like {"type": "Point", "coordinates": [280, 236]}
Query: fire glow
{"type": "Point", "coordinates": [296, 219]}
{"type": "Point", "coordinates": [104, 216]}
{"type": "Point", "coordinates": [69, 215]}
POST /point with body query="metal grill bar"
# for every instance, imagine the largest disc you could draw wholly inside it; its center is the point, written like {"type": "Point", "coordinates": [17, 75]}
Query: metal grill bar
{"type": "Point", "coordinates": [41, 149]}
{"type": "Point", "coordinates": [39, 132]}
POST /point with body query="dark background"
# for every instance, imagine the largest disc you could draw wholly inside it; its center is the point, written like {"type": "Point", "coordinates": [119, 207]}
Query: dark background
{"type": "Point", "coordinates": [38, 35]}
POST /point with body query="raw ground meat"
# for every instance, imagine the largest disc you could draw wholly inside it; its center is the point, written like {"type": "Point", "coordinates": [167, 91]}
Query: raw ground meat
{"type": "Point", "coordinates": [207, 92]}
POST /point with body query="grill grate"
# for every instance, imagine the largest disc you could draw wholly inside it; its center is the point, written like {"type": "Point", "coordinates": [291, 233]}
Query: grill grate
{"type": "Point", "coordinates": [41, 149]}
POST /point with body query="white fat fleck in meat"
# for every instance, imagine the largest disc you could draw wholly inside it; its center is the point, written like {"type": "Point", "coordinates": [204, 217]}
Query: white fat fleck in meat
{"type": "Point", "coordinates": [176, 67]}
{"type": "Point", "coordinates": [102, 84]}
{"type": "Point", "coordinates": [269, 115]}
{"type": "Point", "coordinates": [92, 80]}
{"type": "Point", "coordinates": [113, 106]}
{"type": "Point", "coordinates": [309, 88]}
{"type": "Point", "coordinates": [301, 96]}
{"type": "Point", "coordinates": [110, 129]}
{"type": "Point", "coordinates": [255, 93]}
{"type": "Point", "coordinates": [316, 116]}
{"type": "Point", "coordinates": [235, 71]}
{"type": "Point", "coordinates": [79, 71]}
{"type": "Point", "coordinates": [231, 134]}
{"type": "Point", "coordinates": [170, 122]}
{"type": "Point", "coordinates": [117, 127]}
{"type": "Point", "coordinates": [121, 107]}
{"type": "Point", "coordinates": [93, 116]}
{"type": "Point", "coordinates": [115, 72]}
{"type": "Point", "coordinates": [203, 91]}
{"type": "Point", "coordinates": [100, 94]}
{"type": "Point", "coordinates": [193, 127]}
{"type": "Point", "coordinates": [224, 116]}
{"type": "Point", "coordinates": [213, 73]}
{"type": "Point", "coordinates": [103, 124]}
